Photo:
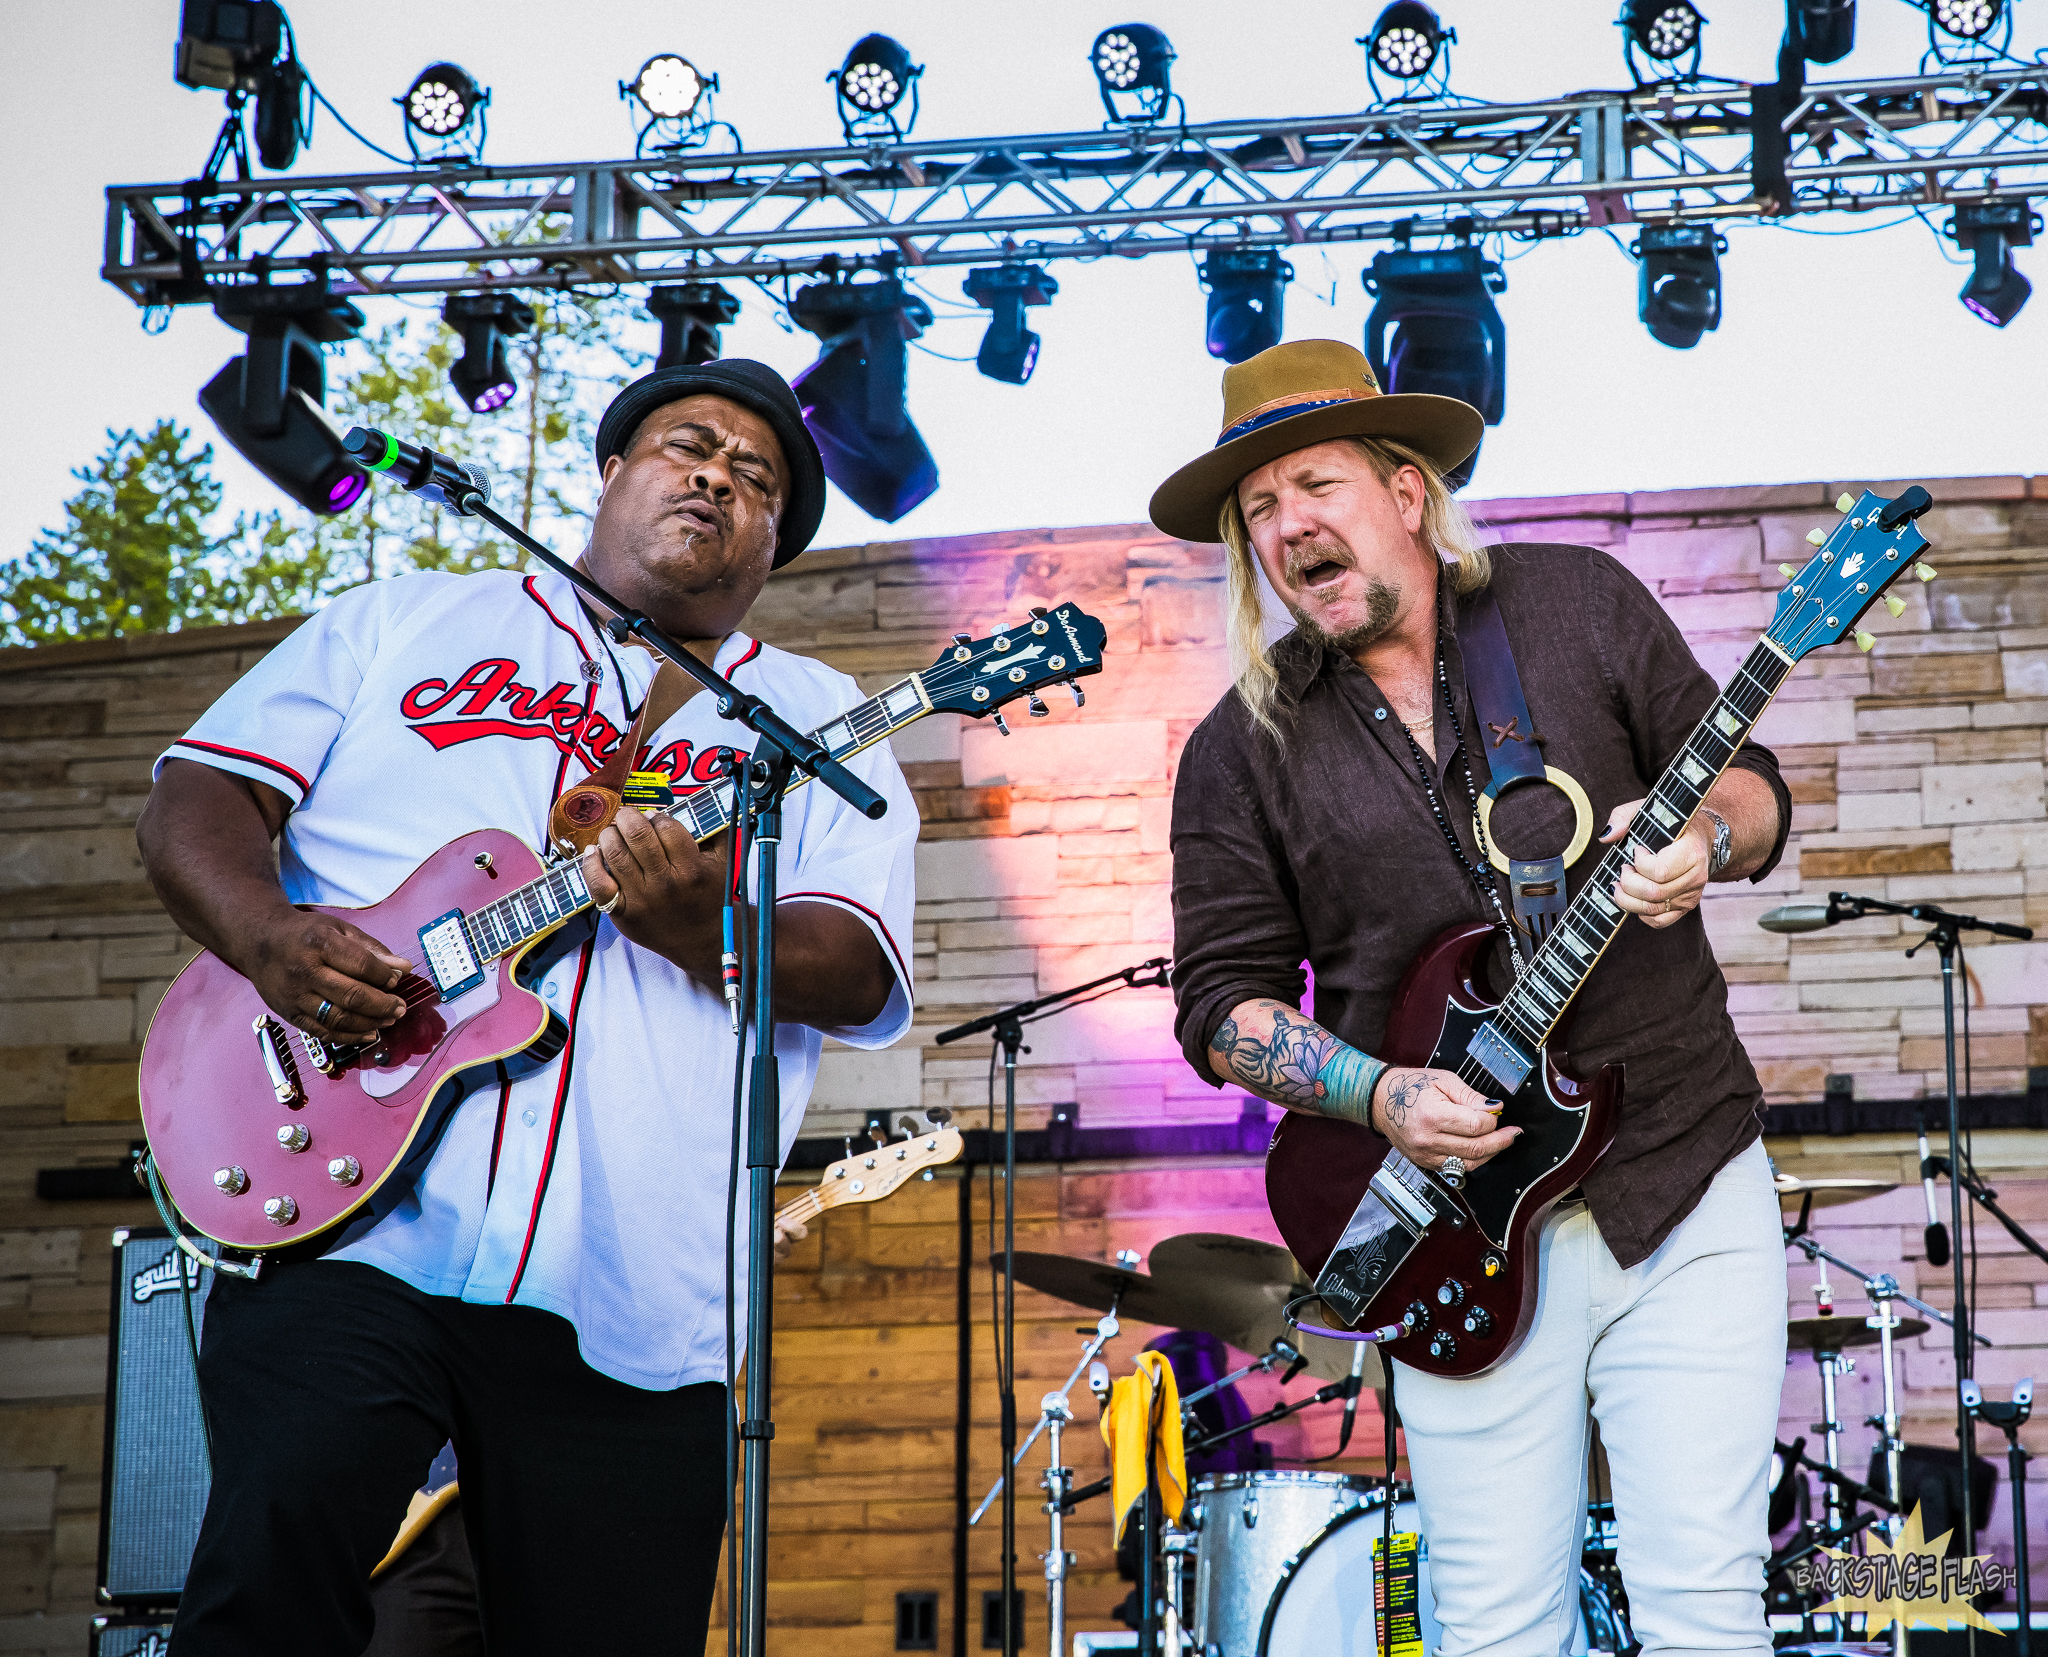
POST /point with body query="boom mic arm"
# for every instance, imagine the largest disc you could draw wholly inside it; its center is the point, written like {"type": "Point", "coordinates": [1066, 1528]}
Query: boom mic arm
{"type": "Point", "coordinates": [428, 473]}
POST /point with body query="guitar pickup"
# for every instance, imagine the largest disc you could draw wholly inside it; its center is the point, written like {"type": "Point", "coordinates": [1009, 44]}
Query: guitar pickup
{"type": "Point", "coordinates": [1502, 1059]}
{"type": "Point", "coordinates": [451, 962]}
{"type": "Point", "coordinates": [1389, 1221]}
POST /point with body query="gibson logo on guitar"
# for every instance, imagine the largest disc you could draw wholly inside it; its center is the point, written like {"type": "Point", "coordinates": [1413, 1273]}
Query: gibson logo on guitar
{"type": "Point", "coordinates": [267, 1135]}
{"type": "Point", "coordinates": [1390, 1241]}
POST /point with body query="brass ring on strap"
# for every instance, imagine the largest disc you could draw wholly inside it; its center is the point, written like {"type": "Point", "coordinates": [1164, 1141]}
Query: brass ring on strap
{"type": "Point", "coordinates": [1566, 784]}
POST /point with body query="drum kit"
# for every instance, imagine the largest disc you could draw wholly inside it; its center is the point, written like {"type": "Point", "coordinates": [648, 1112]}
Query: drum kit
{"type": "Point", "coordinates": [1284, 1562]}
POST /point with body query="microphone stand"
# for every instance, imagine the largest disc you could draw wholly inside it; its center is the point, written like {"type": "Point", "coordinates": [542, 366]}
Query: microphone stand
{"type": "Point", "coordinates": [1946, 934]}
{"type": "Point", "coordinates": [1008, 1027]}
{"type": "Point", "coordinates": [779, 752]}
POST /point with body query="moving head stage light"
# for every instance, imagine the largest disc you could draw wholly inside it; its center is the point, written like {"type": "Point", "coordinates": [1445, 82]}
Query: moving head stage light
{"type": "Point", "coordinates": [1133, 65]}
{"type": "Point", "coordinates": [1447, 337]}
{"type": "Point", "coordinates": [233, 45]}
{"type": "Point", "coordinates": [690, 314]}
{"type": "Point", "coordinates": [1246, 291]}
{"type": "Point", "coordinates": [1678, 285]}
{"type": "Point", "coordinates": [484, 375]}
{"type": "Point", "coordinates": [853, 395]}
{"type": "Point", "coordinates": [1009, 350]}
{"type": "Point", "coordinates": [268, 402]}
{"type": "Point", "coordinates": [1990, 229]}
{"type": "Point", "coordinates": [1821, 31]}
{"type": "Point", "coordinates": [444, 114]}
{"type": "Point", "coordinates": [871, 84]}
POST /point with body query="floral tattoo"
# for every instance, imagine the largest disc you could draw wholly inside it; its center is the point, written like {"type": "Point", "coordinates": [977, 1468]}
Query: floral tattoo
{"type": "Point", "coordinates": [1300, 1065]}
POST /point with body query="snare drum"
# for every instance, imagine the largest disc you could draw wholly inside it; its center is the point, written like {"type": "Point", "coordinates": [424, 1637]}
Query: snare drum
{"type": "Point", "coordinates": [1283, 1564]}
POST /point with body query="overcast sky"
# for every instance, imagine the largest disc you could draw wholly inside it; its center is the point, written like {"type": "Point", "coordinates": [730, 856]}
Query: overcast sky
{"type": "Point", "coordinates": [1838, 357]}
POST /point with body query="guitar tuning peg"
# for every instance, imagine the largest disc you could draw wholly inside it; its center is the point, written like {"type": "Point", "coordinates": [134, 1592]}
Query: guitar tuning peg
{"type": "Point", "coordinates": [1038, 709]}
{"type": "Point", "coordinates": [1005, 729]}
{"type": "Point", "coordinates": [1817, 536]}
{"type": "Point", "coordinates": [1788, 571]}
{"type": "Point", "coordinates": [1080, 701]}
{"type": "Point", "coordinates": [1038, 612]}
{"type": "Point", "coordinates": [1864, 640]}
{"type": "Point", "coordinates": [1844, 502]}
{"type": "Point", "coordinates": [963, 638]}
{"type": "Point", "coordinates": [938, 1116]}
{"type": "Point", "coordinates": [1895, 604]}
{"type": "Point", "coordinates": [1924, 570]}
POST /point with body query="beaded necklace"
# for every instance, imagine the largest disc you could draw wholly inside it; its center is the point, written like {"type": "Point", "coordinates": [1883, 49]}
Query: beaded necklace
{"type": "Point", "coordinates": [1481, 873]}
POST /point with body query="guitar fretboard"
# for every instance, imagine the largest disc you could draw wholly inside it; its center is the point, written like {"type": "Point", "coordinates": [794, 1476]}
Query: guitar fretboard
{"type": "Point", "coordinates": [1560, 966]}
{"type": "Point", "coordinates": [499, 927]}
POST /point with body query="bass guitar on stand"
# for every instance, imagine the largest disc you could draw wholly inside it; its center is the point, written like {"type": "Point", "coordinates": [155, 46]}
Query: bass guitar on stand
{"type": "Point", "coordinates": [1453, 1270]}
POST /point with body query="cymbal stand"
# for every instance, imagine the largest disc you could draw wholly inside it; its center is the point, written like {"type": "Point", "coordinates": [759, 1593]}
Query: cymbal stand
{"type": "Point", "coordinates": [1279, 1353]}
{"type": "Point", "coordinates": [1056, 1412]}
{"type": "Point", "coordinates": [2011, 1418]}
{"type": "Point", "coordinates": [1176, 1544]}
{"type": "Point", "coordinates": [1106, 1330]}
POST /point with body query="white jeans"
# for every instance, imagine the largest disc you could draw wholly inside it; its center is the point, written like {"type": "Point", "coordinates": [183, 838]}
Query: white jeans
{"type": "Point", "coordinates": [1681, 1360]}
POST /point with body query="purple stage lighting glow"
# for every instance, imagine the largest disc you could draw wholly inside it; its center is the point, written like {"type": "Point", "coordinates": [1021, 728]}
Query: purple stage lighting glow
{"type": "Point", "coordinates": [347, 491]}
{"type": "Point", "coordinates": [494, 398]}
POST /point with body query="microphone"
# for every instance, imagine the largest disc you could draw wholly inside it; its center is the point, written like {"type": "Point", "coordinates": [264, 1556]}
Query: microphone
{"type": "Point", "coordinates": [1936, 1234]}
{"type": "Point", "coordinates": [455, 484]}
{"type": "Point", "coordinates": [1799, 917]}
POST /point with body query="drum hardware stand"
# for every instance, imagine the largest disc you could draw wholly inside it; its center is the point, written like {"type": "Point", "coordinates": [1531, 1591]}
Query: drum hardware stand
{"type": "Point", "coordinates": [1946, 934]}
{"type": "Point", "coordinates": [1279, 1353]}
{"type": "Point", "coordinates": [1106, 1330]}
{"type": "Point", "coordinates": [1056, 1412]}
{"type": "Point", "coordinates": [1175, 1543]}
{"type": "Point", "coordinates": [2010, 1418]}
{"type": "Point", "coordinates": [1007, 1026]}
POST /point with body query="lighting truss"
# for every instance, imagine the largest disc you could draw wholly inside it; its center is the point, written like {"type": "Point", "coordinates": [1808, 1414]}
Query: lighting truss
{"type": "Point", "coordinates": [1662, 155]}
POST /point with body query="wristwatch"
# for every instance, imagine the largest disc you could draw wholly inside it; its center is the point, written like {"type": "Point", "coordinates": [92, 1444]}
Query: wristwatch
{"type": "Point", "coordinates": [1724, 843]}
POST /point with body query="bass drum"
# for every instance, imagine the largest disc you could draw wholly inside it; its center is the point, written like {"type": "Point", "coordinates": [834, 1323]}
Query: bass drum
{"type": "Point", "coordinates": [1322, 1605]}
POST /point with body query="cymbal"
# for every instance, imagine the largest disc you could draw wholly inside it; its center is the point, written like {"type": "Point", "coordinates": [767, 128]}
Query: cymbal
{"type": "Point", "coordinates": [1237, 1289]}
{"type": "Point", "coordinates": [1095, 1284]}
{"type": "Point", "coordinates": [1828, 1192]}
{"type": "Point", "coordinates": [1838, 1333]}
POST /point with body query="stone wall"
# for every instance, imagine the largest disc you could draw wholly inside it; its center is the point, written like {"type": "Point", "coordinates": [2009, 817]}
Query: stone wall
{"type": "Point", "coordinates": [1917, 772]}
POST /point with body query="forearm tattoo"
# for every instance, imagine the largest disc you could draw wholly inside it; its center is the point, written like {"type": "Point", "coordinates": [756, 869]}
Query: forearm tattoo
{"type": "Point", "coordinates": [1299, 1065]}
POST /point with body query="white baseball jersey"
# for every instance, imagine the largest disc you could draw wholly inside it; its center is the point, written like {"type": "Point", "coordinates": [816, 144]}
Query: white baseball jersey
{"type": "Point", "coordinates": [410, 711]}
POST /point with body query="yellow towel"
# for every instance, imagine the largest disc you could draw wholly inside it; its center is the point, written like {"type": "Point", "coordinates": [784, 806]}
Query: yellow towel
{"type": "Point", "coordinates": [1131, 1402]}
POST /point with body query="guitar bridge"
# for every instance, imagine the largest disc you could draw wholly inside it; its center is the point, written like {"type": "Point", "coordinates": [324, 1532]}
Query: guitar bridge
{"type": "Point", "coordinates": [1396, 1211]}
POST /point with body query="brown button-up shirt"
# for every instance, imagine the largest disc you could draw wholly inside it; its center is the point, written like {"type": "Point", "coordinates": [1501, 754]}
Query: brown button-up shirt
{"type": "Point", "coordinates": [1326, 853]}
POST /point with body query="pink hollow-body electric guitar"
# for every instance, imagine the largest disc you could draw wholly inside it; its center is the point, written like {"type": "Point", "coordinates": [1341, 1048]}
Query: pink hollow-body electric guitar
{"type": "Point", "coordinates": [265, 1136]}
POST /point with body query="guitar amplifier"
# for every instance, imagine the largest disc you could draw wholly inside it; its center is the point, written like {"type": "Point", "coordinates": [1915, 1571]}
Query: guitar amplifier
{"type": "Point", "coordinates": [155, 1476]}
{"type": "Point", "coordinates": [131, 1637]}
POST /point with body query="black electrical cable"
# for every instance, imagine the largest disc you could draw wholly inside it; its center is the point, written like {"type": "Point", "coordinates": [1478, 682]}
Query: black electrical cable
{"type": "Point", "coordinates": [736, 872]}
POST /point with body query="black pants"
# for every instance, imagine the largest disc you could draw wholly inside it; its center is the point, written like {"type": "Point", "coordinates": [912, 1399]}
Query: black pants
{"type": "Point", "coordinates": [591, 1506]}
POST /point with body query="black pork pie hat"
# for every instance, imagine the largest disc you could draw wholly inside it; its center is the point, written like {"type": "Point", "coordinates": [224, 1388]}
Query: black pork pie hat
{"type": "Point", "coordinates": [755, 386]}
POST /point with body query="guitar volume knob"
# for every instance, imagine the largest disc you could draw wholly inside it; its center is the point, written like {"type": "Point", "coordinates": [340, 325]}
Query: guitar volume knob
{"type": "Point", "coordinates": [230, 1182]}
{"type": "Point", "coordinates": [1451, 1293]}
{"type": "Point", "coordinates": [280, 1210]}
{"type": "Point", "coordinates": [1417, 1316]}
{"type": "Point", "coordinates": [1442, 1347]}
{"type": "Point", "coordinates": [294, 1136]}
{"type": "Point", "coordinates": [1479, 1321]}
{"type": "Point", "coordinates": [344, 1170]}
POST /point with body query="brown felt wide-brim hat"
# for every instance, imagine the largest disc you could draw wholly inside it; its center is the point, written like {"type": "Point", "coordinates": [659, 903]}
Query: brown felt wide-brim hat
{"type": "Point", "coordinates": [1291, 397]}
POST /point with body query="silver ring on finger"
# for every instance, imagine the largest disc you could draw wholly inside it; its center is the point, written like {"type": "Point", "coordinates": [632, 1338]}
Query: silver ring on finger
{"type": "Point", "coordinates": [1453, 1171]}
{"type": "Point", "coordinates": [325, 1012]}
{"type": "Point", "coordinates": [607, 908]}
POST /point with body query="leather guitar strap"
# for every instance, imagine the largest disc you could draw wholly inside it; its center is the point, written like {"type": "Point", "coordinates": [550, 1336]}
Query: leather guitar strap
{"type": "Point", "coordinates": [1513, 753]}
{"type": "Point", "coordinates": [586, 811]}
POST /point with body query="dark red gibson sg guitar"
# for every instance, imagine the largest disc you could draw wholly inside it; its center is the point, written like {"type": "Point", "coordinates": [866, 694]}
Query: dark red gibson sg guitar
{"type": "Point", "coordinates": [265, 1135]}
{"type": "Point", "coordinates": [1390, 1243]}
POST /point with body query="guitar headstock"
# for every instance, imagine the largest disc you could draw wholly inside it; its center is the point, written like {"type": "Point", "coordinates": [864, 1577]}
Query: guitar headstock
{"type": "Point", "coordinates": [1873, 546]}
{"type": "Point", "coordinates": [1058, 645]}
{"type": "Point", "coordinates": [872, 1175]}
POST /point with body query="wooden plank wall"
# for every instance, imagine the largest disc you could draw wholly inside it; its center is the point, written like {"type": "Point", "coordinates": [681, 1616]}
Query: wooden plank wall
{"type": "Point", "coordinates": [1917, 772]}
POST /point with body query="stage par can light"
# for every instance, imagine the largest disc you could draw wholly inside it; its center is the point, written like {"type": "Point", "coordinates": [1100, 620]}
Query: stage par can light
{"type": "Point", "coordinates": [670, 88]}
{"type": "Point", "coordinates": [1966, 19]}
{"type": "Point", "coordinates": [690, 314]}
{"type": "Point", "coordinates": [1009, 350]}
{"type": "Point", "coordinates": [872, 84]}
{"type": "Point", "coordinates": [1663, 29]}
{"type": "Point", "coordinates": [1989, 230]}
{"type": "Point", "coordinates": [1823, 31]}
{"type": "Point", "coordinates": [1406, 40]}
{"type": "Point", "coordinates": [269, 402]}
{"type": "Point", "coordinates": [1133, 64]}
{"type": "Point", "coordinates": [483, 375]}
{"type": "Point", "coordinates": [853, 396]}
{"type": "Point", "coordinates": [444, 113]}
{"type": "Point", "coordinates": [1246, 291]}
{"type": "Point", "coordinates": [1678, 282]}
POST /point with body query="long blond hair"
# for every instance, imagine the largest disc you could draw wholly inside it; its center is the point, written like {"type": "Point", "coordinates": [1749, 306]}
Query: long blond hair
{"type": "Point", "coordinates": [1445, 527]}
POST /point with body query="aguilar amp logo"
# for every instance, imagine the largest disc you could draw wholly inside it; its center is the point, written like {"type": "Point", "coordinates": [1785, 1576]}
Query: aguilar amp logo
{"type": "Point", "coordinates": [163, 1275]}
